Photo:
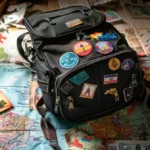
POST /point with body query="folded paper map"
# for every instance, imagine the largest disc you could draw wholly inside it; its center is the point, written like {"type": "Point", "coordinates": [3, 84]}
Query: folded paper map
{"type": "Point", "coordinates": [4, 102]}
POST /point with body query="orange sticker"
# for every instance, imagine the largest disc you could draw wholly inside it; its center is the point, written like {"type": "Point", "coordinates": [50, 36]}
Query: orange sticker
{"type": "Point", "coordinates": [82, 48]}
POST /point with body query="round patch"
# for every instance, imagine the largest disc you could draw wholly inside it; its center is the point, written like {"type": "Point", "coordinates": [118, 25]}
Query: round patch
{"type": "Point", "coordinates": [127, 64]}
{"type": "Point", "coordinates": [82, 48]}
{"type": "Point", "coordinates": [104, 47]}
{"type": "Point", "coordinates": [69, 60]}
{"type": "Point", "coordinates": [114, 64]}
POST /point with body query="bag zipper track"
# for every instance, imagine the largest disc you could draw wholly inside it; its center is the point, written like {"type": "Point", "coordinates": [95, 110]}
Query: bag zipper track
{"type": "Point", "coordinates": [58, 82]}
{"type": "Point", "coordinates": [29, 27]}
{"type": "Point", "coordinates": [47, 19]}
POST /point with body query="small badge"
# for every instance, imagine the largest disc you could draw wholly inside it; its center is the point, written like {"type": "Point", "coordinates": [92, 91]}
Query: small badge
{"type": "Point", "coordinates": [107, 37]}
{"type": "Point", "coordinates": [114, 92]}
{"type": "Point", "coordinates": [73, 23]}
{"type": "Point", "coordinates": [79, 78]}
{"type": "Point", "coordinates": [68, 60]}
{"type": "Point", "coordinates": [104, 47]}
{"type": "Point", "coordinates": [82, 48]}
{"type": "Point", "coordinates": [114, 64]}
{"type": "Point", "coordinates": [127, 64]}
{"type": "Point", "coordinates": [111, 78]}
{"type": "Point", "coordinates": [88, 90]}
{"type": "Point", "coordinates": [103, 36]}
{"type": "Point", "coordinates": [96, 35]}
{"type": "Point", "coordinates": [66, 87]}
{"type": "Point", "coordinates": [127, 93]}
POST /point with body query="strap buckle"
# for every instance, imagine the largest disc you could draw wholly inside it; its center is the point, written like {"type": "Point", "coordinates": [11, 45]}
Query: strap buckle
{"type": "Point", "coordinates": [28, 48]}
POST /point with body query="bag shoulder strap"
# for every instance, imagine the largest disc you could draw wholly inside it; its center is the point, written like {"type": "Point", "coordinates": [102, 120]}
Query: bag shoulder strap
{"type": "Point", "coordinates": [24, 53]}
{"type": "Point", "coordinates": [47, 128]}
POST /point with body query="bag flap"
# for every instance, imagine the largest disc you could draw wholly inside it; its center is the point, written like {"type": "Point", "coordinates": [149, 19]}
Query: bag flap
{"type": "Point", "coordinates": [60, 22]}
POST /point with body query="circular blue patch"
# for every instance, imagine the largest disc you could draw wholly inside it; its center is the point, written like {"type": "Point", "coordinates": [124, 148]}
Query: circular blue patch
{"type": "Point", "coordinates": [68, 60]}
{"type": "Point", "coordinates": [127, 64]}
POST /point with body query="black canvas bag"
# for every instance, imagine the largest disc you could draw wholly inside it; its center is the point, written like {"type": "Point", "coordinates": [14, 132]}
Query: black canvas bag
{"type": "Point", "coordinates": [111, 80]}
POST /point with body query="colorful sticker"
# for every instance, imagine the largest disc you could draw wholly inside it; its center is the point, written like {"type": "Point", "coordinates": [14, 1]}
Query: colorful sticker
{"type": "Point", "coordinates": [79, 78]}
{"type": "Point", "coordinates": [88, 90]}
{"type": "Point", "coordinates": [96, 35]}
{"type": "Point", "coordinates": [68, 60]}
{"type": "Point", "coordinates": [127, 93]}
{"type": "Point", "coordinates": [73, 23]}
{"type": "Point", "coordinates": [104, 47]}
{"type": "Point", "coordinates": [127, 64]}
{"type": "Point", "coordinates": [114, 92]}
{"type": "Point", "coordinates": [114, 64]}
{"type": "Point", "coordinates": [66, 87]}
{"type": "Point", "coordinates": [103, 36]}
{"type": "Point", "coordinates": [82, 48]}
{"type": "Point", "coordinates": [111, 78]}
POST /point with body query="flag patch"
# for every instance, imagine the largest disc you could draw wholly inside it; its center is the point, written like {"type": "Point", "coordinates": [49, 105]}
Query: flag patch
{"type": "Point", "coordinates": [109, 79]}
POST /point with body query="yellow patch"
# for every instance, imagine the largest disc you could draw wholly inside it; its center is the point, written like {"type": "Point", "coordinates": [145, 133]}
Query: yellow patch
{"type": "Point", "coordinates": [114, 92]}
{"type": "Point", "coordinates": [114, 64]}
{"type": "Point", "coordinates": [73, 23]}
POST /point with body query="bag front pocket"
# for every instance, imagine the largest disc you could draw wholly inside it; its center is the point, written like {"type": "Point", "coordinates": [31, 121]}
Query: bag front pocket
{"type": "Point", "coordinates": [84, 94]}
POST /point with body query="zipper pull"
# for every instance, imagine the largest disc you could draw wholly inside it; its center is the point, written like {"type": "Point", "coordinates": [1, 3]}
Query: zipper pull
{"type": "Point", "coordinates": [47, 80]}
{"type": "Point", "coordinates": [71, 106]}
{"type": "Point", "coordinates": [50, 21]}
{"type": "Point", "coordinates": [56, 104]}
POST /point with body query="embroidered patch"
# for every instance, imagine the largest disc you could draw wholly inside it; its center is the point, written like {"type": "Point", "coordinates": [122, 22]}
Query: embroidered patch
{"type": "Point", "coordinates": [111, 78]}
{"type": "Point", "coordinates": [79, 78]}
{"type": "Point", "coordinates": [88, 90]}
{"type": "Point", "coordinates": [114, 92]}
{"type": "Point", "coordinates": [66, 87]}
{"type": "Point", "coordinates": [127, 64]}
{"type": "Point", "coordinates": [68, 60]}
{"type": "Point", "coordinates": [114, 64]}
{"type": "Point", "coordinates": [82, 48]}
{"type": "Point", "coordinates": [104, 47]}
{"type": "Point", "coordinates": [127, 93]}
{"type": "Point", "coordinates": [73, 23]}
{"type": "Point", "coordinates": [103, 36]}
{"type": "Point", "coordinates": [96, 35]}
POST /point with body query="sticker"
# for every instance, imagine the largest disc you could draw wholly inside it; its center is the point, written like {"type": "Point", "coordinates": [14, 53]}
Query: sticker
{"type": "Point", "coordinates": [73, 23]}
{"type": "Point", "coordinates": [79, 78]}
{"type": "Point", "coordinates": [107, 37]}
{"type": "Point", "coordinates": [127, 93]}
{"type": "Point", "coordinates": [111, 78]}
{"type": "Point", "coordinates": [104, 47]}
{"type": "Point", "coordinates": [134, 81]}
{"type": "Point", "coordinates": [82, 48]}
{"type": "Point", "coordinates": [96, 35]}
{"type": "Point", "coordinates": [66, 87]}
{"type": "Point", "coordinates": [114, 64]}
{"type": "Point", "coordinates": [103, 36]}
{"type": "Point", "coordinates": [69, 60]}
{"type": "Point", "coordinates": [127, 64]}
{"type": "Point", "coordinates": [114, 92]}
{"type": "Point", "coordinates": [88, 90]}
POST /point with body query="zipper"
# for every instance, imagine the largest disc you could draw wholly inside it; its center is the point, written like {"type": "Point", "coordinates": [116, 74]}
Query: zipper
{"type": "Point", "coordinates": [70, 101]}
{"type": "Point", "coordinates": [50, 20]}
{"type": "Point", "coordinates": [47, 80]}
{"type": "Point", "coordinates": [29, 28]}
{"type": "Point", "coordinates": [47, 76]}
{"type": "Point", "coordinates": [60, 78]}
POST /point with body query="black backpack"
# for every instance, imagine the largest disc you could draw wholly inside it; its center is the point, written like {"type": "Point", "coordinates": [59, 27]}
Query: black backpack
{"type": "Point", "coordinates": [85, 67]}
